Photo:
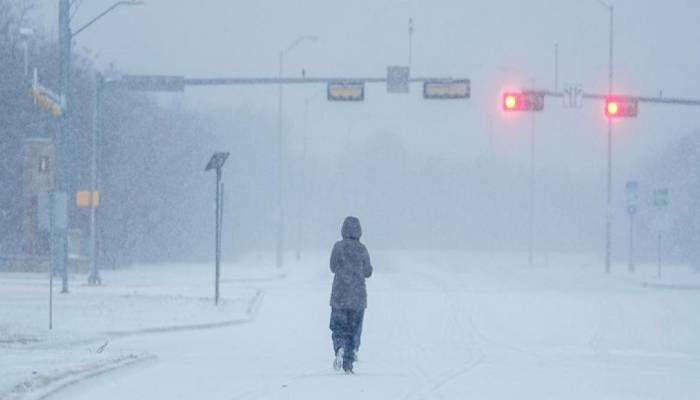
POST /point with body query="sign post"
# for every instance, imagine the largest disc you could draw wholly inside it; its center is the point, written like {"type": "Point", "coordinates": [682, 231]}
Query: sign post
{"type": "Point", "coordinates": [217, 162]}
{"type": "Point", "coordinates": [632, 191]}
{"type": "Point", "coordinates": [53, 218]}
{"type": "Point", "coordinates": [660, 203]}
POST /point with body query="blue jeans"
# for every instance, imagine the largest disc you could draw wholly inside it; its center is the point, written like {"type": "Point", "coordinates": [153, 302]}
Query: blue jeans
{"type": "Point", "coordinates": [345, 326]}
{"type": "Point", "coordinates": [358, 333]}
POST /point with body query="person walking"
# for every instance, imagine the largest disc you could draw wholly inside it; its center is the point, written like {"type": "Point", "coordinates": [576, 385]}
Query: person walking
{"type": "Point", "coordinates": [350, 264]}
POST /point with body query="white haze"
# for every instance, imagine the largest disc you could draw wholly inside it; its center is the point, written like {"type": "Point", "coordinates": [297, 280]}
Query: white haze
{"type": "Point", "coordinates": [497, 44]}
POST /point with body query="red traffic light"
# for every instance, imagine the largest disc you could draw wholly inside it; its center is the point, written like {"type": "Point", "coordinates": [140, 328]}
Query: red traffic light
{"type": "Point", "coordinates": [523, 101]}
{"type": "Point", "coordinates": [620, 106]}
{"type": "Point", "coordinates": [510, 101]}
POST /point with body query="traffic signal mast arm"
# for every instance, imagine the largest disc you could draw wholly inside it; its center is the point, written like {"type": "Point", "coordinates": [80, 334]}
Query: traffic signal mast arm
{"type": "Point", "coordinates": [321, 80]}
{"type": "Point", "coordinates": [641, 99]}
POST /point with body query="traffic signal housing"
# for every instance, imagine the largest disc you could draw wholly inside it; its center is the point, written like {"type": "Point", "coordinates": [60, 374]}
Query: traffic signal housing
{"type": "Point", "coordinates": [620, 107]}
{"type": "Point", "coordinates": [523, 101]}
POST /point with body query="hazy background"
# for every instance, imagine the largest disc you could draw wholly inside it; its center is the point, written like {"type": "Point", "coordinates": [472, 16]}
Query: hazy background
{"type": "Point", "coordinates": [419, 174]}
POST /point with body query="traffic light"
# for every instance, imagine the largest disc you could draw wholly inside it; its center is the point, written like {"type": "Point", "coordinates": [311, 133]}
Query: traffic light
{"type": "Point", "coordinates": [523, 101]}
{"type": "Point", "coordinates": [620, 107]}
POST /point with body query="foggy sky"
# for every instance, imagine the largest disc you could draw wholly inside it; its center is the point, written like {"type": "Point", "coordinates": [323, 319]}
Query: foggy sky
{"type": "Point", "coordinates": [497, 44]}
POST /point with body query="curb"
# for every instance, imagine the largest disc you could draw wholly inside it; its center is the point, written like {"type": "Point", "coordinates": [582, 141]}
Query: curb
{"type": "Point", "coordinates": [251, 311]}
{"type": "Point", "coordinates": [672, 286]}
{"type": "Point", "coordinates": [88, 372]}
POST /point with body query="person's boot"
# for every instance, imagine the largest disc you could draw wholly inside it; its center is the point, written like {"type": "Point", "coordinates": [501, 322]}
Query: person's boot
{"type": "Point", "coordinates": [338, 361]}
{"type": "Point", "coordinates": [347, 367]}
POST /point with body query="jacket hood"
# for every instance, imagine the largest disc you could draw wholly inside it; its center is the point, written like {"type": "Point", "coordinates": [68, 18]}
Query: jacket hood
{"type": "Point", "coordinates": [351, 228]}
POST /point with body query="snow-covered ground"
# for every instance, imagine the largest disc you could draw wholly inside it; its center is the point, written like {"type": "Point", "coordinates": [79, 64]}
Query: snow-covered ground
{"type": "Point", "coordinates": [439, 325]}
{"type": "Point", "coordinates": [138, 300]}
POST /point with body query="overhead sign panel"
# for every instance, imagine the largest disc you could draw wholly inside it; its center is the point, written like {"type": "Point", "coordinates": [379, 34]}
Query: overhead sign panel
{"type": "Point", "coordinates": [346, 91]}
{"type": "Point", "coordinates": [154, 83]}
{"type": "Point", "coordinates": [397, 78]}
{"type": "Point", "coordinates": [447, 89]}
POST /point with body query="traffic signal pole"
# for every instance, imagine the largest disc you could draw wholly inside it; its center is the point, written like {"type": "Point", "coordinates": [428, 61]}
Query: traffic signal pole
{"type": "Point", "coordinates": [608, 209]}
{"type": "Point", "coordinates": [531, 212]}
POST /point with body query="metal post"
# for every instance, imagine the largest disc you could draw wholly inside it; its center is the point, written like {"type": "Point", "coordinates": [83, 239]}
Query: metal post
{"type": "Point", "coordinates": [62, 160]}
{"type": "Point", "coordinates": [531, 206]}
{"type": "Point", "coordinates": [608, 211]}
{"type": "Point", "coordinates": [410, 43]}
{"type": "Point", "coordinates": [658, 255]}
{"type": "Point", "coordinates": [302, 203]}
{"type": "Point", "coordinates": [26, 57]}
{"type": "Point", "coordinates": [218, 236]}
{"type": "Point", "coordinates": [280, 209]}
{"type": "Point", "coordinates": [52, 252]}
{"type": "Point", "coordinates": [556, 67]}
{"type": "Point", "coordinates": [631, 255]}
{"type": "Point", "coordinates": [94, 277]}
{"type": "Point", "coordinates": [531, 211]}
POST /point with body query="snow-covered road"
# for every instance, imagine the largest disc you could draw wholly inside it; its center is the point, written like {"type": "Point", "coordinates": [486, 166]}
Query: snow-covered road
{"type": "Point", "coordinates": [443, 326]}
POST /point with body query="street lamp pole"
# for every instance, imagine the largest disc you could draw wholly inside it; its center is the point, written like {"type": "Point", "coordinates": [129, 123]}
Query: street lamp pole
{"type": "Point", "coordinates": [64, 163]}
{"type": "Point", "coordinates": [280, 150]}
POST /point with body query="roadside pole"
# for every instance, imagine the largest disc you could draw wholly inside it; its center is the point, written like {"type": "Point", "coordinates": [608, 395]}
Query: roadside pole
{"type": "Point", "coordinates": [632, 194]}
{"type": "Point", "coordinates": [661, 201]}
{"type": "Point", "coordinates": [94, 277]}
{"type": "Point", "coordinates": [217, 162]}
{"type": "Point", "coordinates": [63, 166]}
{"type": "Point", "coordinates": [52, 252]}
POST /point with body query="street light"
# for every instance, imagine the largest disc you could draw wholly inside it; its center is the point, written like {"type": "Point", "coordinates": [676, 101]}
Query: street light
{"type": "Point", "coordinates": [107, 11]}
{"type": "Point", "coordinates": [62, 139]}
{"type": "Point", "coordinates": [280, 207]}
{"type": "Point", "coordinates": [608, 210]}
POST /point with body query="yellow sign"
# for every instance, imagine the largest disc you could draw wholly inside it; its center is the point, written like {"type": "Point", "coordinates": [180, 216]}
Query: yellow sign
{"type": "Point", "coordinates": [86, 199]}
{"type": "Point", "coordinates": [457, 89]}
{"type": "Point", "coordinates": [346, 91]}
{"type": "Point", "coordinates": [45, 101]}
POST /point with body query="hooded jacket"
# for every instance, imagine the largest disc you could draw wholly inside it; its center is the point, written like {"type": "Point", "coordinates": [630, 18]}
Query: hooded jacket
{"type": "Point", "coordinates": [351, 265]}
